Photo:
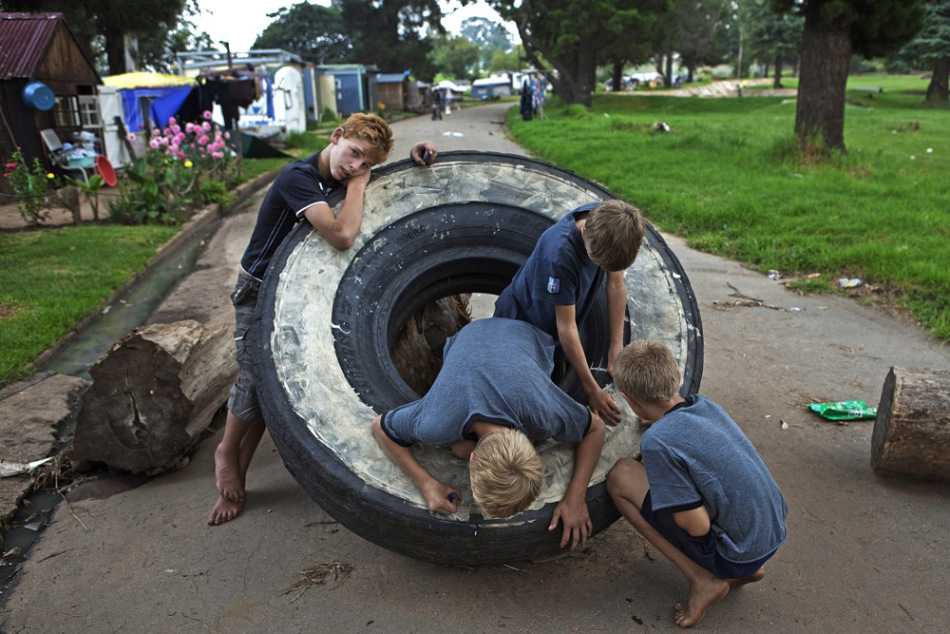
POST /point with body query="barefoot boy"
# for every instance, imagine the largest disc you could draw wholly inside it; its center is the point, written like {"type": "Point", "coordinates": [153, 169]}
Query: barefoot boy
{"type": "Point", "coordinates": [703, 497]}
{"type": "Point", "coordinates": [557, 286]}
{"type": "Point", "coordinates": [299, 192]}
{"type": "Point", "coordinates": [492, 398]}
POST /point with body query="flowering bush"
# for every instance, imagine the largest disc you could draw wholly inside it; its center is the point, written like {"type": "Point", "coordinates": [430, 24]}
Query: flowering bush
{"type": "Point", "coordinates": [168, 179]}
{"type": "Point", "coordinates": [30, 186]}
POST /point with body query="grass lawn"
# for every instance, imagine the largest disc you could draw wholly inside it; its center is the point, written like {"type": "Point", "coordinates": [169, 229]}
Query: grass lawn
{"type": "Point", "coordinates": [50, 279]}
{"type": "Point", "coordinates": [728, 179]}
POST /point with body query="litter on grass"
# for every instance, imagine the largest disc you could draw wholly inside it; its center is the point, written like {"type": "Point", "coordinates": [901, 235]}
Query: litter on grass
{"type": "Point", "coordinates": [844, 410]}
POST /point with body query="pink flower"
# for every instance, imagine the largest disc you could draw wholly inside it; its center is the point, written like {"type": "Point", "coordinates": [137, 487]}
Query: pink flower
{"type": "Point", "coordinates": [189, 127]}
{"type": "Point", "coordinates": [166, 131]}
{"type": "Point", "coordinates": [11, 166]}
{"type": "Point", "coordinates": [176, 128]}
{"type": "Point", "coordinates": [206, 114]}
{"type": "Point", "coordinates": [171, 121]}
{"type": "Point", "coordinates": [7, 174]}
{"type": "Point", "coordinates": [227, 135]}
{"type": "Point", "coordinates": [154, 144]}
{"type": "Point", "coordinates": [131, 137]}
{"type": "Point", "coordinates": [180, 155]}
{"type": "Point", "coordinates": [217, 155]}
{"type": "Point", "coordinates": [206, 126]}
{"type": "Point", "coordinates": [203, 139]}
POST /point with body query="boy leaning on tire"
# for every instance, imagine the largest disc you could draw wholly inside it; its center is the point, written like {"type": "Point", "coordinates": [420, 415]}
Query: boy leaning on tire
{"type": "Point", "coordinates": [299, 193]}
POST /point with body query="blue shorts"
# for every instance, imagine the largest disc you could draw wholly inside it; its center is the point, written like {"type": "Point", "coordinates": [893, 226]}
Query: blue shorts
{"type": "Point", "coordinates": [701, 550]}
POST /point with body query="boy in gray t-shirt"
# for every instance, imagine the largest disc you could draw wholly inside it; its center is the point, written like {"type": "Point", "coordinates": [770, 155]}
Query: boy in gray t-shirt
{"type": "Point", "coordinates": [492, 398]}
{"type": "Point", "coordinates": [702, 496]}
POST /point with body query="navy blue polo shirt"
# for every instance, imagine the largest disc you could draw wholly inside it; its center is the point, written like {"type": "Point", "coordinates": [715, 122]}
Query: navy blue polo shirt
{"type": "Point", "coordinates": [298, 186]}
{"type": "Point", "coordinates": [557, 273]}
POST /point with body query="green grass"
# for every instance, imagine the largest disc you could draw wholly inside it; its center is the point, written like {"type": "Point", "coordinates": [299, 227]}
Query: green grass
{"type": "Point", "coordinates": [52, 278]}
{"type": "Point", "coordinates": [729, 180]}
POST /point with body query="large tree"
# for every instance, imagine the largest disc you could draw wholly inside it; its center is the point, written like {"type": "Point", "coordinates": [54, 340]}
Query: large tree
{"type": "Point", "coordinates": [570, 33]}
{"type": "Point", "coordinates": [488, 36]}
{"type": "Point", "coordinates": [771, 36]}
{"type": "Point", "coordinates": [931, 48]}
{"type": "Point", "coordinates": [455, 57]}
{"type": "Point", "coordinates": [694, 29]}
{"type": "Point", "coordinates": [313, 32]}
{"type": "Point", "coordinates": [110, 20]}
{"type": "Point", "coordinates": [834, 31]}
{"type": "Point", "coordinates": [392, 33]}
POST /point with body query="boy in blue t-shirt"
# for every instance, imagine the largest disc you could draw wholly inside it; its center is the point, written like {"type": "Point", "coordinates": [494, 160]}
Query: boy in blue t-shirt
{"type": "Point", "coordinates": [558, 284]}
{"type": "Point", "coordinates": [702, 496]}
{"type": "Point", "coordinates": [488, 408]}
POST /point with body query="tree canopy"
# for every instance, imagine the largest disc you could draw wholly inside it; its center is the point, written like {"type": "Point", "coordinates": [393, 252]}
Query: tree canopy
{"type": "Point", "coordinates": [313, 32]}
{"type": "Point", "coordinates": [112, 20]}
{"type": "Point", "coordinates": [570, 33]}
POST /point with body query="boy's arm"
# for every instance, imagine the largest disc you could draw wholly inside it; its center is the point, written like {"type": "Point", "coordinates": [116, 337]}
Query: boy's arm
{"type": "Point", "coordinates": [616, 311]}
{"type": "Point", "coordinates": [600, 401]}
{"type": "Point", "coordinates": [572, 510]}
{"type": "Point", "coordinates": [695, 521]}
{"type": "Point", "coordinates": [423, 153]}
{"type": "Point", "coordinates": [341, 229]}
{"type": "Point", "coordinates": [438, 496]}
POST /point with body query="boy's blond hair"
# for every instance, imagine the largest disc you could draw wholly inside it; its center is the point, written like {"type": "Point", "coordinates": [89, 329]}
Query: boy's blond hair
{"type": "Point", "coordinates": [613, 233]}
{"type": "Point", "coordinates": [646, 371]}
{"type": "Point", "coordinates": [372, 129]}
{"type": "Point", "coordinates": [505, 473]}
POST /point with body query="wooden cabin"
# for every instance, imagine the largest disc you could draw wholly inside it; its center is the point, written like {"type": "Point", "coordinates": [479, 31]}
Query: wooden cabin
{"type": "Point", "coordinates": [40, 59]}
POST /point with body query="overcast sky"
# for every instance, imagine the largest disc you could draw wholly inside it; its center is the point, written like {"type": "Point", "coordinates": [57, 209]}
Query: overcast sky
{"type": "Point", "coordinates": [240, 27]}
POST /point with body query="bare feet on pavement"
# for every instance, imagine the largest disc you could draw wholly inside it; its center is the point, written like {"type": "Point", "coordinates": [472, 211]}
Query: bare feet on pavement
{"type": "Point", "coordinates": [227, 476]}
{"type": "Point", "coordinates": [702, 595]}
{"type": "Point", "coordinates": [224, 511]}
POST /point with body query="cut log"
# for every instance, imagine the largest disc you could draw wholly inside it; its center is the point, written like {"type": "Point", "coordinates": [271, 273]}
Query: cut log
{"type": "Point", "coordinates": [912, 429]}
{"type": "Point", "coordinates": [153, 394]}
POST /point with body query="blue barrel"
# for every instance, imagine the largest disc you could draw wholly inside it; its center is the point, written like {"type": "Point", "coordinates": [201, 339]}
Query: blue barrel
{"type": "Point", "coordinates": [38, 96]}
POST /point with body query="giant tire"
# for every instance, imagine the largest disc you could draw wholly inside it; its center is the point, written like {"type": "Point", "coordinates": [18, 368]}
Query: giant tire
{"type": "Point", "coordinates": [326, 321]}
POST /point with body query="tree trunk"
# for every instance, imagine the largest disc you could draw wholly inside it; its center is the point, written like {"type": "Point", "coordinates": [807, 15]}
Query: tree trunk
{"type": "Point", "coordinates": [616, 76]}
{"type": "Point", "coordinates": [937, 89]}
{"type": "Point", "coordinates": [153, 394]}
{"type": "Point", "coordinates": [912, 431]}
{"type": "Point", "coordinates": [115, 51]}
{"type": "Point", "coordinates": [778, 72]}
{"type": "Point", "coordinates": [826, 54]}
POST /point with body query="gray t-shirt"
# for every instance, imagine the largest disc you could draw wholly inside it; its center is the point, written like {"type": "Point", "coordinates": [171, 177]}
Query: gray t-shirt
{"type": "Point", "coordinates": [694, 453]}
{"type": "Point", "coordinates": [498, 371]}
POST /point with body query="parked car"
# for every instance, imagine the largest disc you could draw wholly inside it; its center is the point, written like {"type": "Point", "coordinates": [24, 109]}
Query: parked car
{"type": "Point", "coordinates": [626, 83]}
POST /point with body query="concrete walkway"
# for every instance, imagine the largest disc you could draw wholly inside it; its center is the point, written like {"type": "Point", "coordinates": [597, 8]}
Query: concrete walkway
{"type": "Point", "coordinates": [865, 553]}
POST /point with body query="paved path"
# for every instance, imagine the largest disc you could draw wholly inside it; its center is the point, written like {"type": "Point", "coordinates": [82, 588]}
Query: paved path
{"type": "Point", "coordinates": [865, 553]}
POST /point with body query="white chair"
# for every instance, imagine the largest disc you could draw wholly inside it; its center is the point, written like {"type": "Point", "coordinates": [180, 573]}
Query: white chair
{"type": "Point", "coordinates": [55, 147]}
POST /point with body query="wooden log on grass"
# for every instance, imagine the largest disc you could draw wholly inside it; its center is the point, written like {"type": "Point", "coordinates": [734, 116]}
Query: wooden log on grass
{"type": "Point", "coordinates": [912, 430]}
{"type": "Point", "coordinates": [153, 394]}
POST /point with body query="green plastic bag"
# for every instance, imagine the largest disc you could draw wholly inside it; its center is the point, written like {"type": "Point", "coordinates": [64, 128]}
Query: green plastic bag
{"type": "Point", "coordinates": [844, 410]}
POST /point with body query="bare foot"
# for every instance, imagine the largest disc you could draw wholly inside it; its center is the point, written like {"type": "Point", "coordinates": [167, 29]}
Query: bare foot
{"type": "Point", "coordinates": [702, 596]}
{"type": "Point", "coordinates": [758, 575]}
{"type": "Point", "coordinates": [224, 511]}
{"type": "Point", "coordinates": [227, 476]}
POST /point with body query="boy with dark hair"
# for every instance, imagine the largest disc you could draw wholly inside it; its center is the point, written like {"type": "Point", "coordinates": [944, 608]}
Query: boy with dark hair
{"type": "Point", "coordinates": [558, 284]}
{"type": "Point", "coordinates": [299, 193]}
{"type": "Point", "coordinates": [702, 496]}
{"type": "Point", "coordinates": [488, 407]}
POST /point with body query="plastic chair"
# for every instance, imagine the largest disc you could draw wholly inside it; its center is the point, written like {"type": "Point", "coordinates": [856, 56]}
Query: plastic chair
{"type": "Point", "coordinates": [55, 147]}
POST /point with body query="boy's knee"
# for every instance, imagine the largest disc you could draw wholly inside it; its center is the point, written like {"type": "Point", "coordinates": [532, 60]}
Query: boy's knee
{"type": "Point", "coordinates": [619, 475]}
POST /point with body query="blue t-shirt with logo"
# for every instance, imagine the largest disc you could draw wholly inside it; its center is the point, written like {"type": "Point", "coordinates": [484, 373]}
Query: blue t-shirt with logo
{"type": "Point", "coordinates": [557, 273]}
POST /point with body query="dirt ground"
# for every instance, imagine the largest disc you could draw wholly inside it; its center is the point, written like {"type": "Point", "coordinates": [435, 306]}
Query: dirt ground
{"type": "Point", "coordinates": [865, 553]}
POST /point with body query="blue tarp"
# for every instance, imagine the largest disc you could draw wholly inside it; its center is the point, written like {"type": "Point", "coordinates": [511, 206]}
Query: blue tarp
{"type": "Point", "coordinates": [165, 103]}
